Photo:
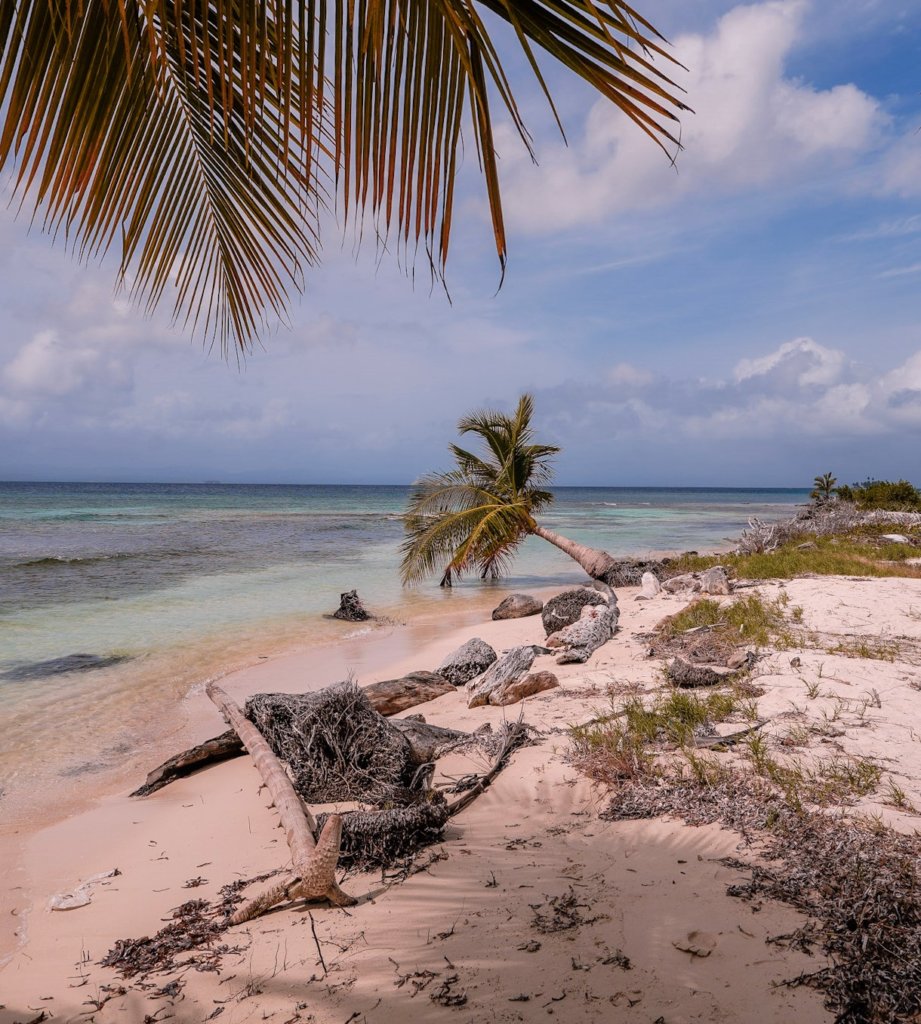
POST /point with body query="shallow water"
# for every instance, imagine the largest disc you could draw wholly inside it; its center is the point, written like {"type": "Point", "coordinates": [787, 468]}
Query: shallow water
{"type": "Point", "coordinates": [173, 584]}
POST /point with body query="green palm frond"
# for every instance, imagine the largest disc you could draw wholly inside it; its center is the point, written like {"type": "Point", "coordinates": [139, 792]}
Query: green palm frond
{"type": "Point", "coordinates": [202, 139]}
{"type": "Point", "coordinates": [476, 516]}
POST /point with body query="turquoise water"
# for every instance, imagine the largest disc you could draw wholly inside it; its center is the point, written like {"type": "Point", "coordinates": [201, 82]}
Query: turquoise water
{"type": "Point", "coordinates": [171, 584]}
{"type": "Point", "coordinates": [131, 568]}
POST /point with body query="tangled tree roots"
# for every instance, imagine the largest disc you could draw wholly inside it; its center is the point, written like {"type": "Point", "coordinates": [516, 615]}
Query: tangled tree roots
{"type": "Point", "coordinates": [373, 839]}
{"type": "Point", "coordinates": [336, 746]}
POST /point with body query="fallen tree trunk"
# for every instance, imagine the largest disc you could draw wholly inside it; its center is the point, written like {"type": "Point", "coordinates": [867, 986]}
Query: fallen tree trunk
{"type": "Point", "coordinates": [391, 696]}
{"type": "Point", "coordinates": [213, 751]}
{"type": "Point", "coordinates": [385, 698]}
{"type": "Point", "coordinates": [314, 862]}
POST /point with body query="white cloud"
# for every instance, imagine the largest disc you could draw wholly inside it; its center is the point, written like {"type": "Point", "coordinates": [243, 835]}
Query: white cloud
{"type": "Point", "coordinates": [48, 366]}
{"type": "Point", "coordinates": [752, 126]}
{"type": "Point", "coordinates": [799, 390]}
{"type": "Point", "coordinates": [802, 359]}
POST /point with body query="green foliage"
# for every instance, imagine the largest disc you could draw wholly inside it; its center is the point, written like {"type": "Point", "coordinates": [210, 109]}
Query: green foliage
{"type": "Point", "coordinates": [750, 619]}
{"type": "Point", "coordinates": [823, 486]}
{"type": "Point", "coordinates": [858, 553]}
{"type": "Point", "coordinates": [899, 495]}
{"type": "Point", "coordinates": [476, 515]}
{"type": "Point", "coordinates": [616, 745]}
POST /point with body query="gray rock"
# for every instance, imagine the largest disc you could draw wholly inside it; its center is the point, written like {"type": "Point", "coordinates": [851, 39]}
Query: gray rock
{"type": "Point", "coordinates": [351, 609]}
{"type": "Point", "coordinates": [896, 538]}
{"type": "Point", "coordinates": [651, 587]}
{"type": "Point", "coordinates": [517, 606]}
{"type": "Point", "coordinates": [715, 581]}
{"type": "Point", "coordinates": [518, 689]}
{"type": "Point", "coordinates": [467, 662]}
{"type": "Point", "coordinates": [687, 583]}
{"type": "Point", "coordinates": [581, 639]}
{"type": "Point", "coordinates": [563, 609]}
{"type": "Point", "coordinates": [508, 669]}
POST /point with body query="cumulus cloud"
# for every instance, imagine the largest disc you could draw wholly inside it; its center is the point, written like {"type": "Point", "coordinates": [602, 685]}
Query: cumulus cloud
{"type": "Point", "coordinates": [752, 126]}
{"type": "Point", "coordinates": [799, 391]}
{"type": "Point", "coordinates": [48, 366]}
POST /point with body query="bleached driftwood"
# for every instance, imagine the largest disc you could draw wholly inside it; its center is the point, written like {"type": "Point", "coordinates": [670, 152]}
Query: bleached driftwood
{"type": "Point", "coordinates": [314, 863]}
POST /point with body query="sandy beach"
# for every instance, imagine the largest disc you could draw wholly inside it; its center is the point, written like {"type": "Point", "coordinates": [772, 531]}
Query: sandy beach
{"type": "Point", "coordinates": [471, 935]}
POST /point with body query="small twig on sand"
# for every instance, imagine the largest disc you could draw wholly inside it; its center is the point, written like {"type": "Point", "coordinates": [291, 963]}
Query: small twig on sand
{"type": "Point", "coordinates": [313, 928]}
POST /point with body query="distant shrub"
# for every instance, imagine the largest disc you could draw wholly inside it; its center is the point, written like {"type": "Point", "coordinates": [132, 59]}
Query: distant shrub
{"type": "Point", "coordinates": [886, 494]}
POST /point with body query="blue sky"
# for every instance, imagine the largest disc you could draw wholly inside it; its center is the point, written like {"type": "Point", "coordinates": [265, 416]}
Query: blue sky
{"type": "Point", "coordinates": [751, 318]}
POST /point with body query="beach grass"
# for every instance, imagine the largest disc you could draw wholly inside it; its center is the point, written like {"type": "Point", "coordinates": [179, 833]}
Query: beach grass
{"type": "Point", "coordinates": [860, 552]}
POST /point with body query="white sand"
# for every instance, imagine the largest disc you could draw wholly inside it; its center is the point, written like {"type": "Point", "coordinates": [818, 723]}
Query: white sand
{"type": "Point", "coordinates": [644, 887]}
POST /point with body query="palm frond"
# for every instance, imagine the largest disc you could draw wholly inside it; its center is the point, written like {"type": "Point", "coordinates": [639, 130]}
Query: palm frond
{"type": "Point", "coordinates": [203, 138]}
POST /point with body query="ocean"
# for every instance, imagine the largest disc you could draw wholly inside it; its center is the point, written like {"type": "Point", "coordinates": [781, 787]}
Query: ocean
{"type": "Point", "coordinates": [158, 587]}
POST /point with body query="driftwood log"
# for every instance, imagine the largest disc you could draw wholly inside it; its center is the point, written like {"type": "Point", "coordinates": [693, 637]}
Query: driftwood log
{"type": "Point", "coordinates": [394, 695]}
{"type": "Point", "coordinates": [314, 863]}
{"type": "Point", "coordinates": [383, 697]}
{"type": "Point", "coordinates": [687, 676]}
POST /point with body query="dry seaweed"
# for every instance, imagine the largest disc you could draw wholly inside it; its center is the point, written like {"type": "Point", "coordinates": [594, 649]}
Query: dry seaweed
{"type": "Point", "coordinates": [336, 746]}
{"type": "Point", "coordinates": [859, 885]}
{"type": "Point", "coordinates": [193, 925]}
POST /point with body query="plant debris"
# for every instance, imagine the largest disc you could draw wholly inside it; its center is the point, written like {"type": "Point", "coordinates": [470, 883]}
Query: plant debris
{"type": "Point", "coordinates": [194, 926]}
{"type": "Point", "coordinates": [859, 884]}
{"type": "Point", "coordinates": [560, 913]}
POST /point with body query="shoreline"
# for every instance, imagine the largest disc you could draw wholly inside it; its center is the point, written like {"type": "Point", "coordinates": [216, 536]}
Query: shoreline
{"type": "Point", "coordinates": [537, 828]}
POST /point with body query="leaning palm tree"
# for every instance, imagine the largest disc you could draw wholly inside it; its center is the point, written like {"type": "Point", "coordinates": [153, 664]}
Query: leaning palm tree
{"type": "Point", "coordinates": [207, 141]}
{"type": "Point", "coordinates": [475, 517]}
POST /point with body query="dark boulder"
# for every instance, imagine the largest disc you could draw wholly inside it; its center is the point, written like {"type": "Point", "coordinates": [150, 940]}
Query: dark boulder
{"type": "Point", "coordinates": [468, 661]}
{"type": "Point", "coordinates": [517, 606]}
{"type": "Point", "coordinates": [564, 609]}
{"type": "Point", "coordinates": [351, 609]}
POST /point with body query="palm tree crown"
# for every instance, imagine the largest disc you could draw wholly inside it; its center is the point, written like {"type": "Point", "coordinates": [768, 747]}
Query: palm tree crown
{"type": "Point", "coordinates": [476, 515]}
{"type": "Point", "coordinates": [205, 139]}
{"type": "Point", "coordinates": [822, 487]}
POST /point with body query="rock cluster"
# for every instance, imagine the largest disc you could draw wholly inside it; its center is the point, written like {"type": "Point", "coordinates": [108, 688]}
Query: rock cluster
{"type": "Point", "coordinates": [564, 609]}
{"type": "Point", "coordinates": [711, 581]}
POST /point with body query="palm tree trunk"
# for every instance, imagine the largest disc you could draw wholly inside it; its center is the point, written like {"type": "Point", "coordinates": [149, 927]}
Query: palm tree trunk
{"type": "Point", "coordinates": [596, 563]}
{"type": "Point", "coordinates": [314, 862]}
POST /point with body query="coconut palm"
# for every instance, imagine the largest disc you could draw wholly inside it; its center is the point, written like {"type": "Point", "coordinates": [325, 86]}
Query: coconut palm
{"type": "Point", "coordinates": [477, 515]}
{"type": "Point", "coordinates": [203, 140]}
{"type": "Point", "coordinates": [823, 486]}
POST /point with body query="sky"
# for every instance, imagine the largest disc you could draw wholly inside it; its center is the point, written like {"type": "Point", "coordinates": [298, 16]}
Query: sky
{"type": "Point", "coordinates": [748, 317]}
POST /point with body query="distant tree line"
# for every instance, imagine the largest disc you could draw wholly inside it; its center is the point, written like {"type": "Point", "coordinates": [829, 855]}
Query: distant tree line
{"type": "Point", "coordinates": [899, 495]}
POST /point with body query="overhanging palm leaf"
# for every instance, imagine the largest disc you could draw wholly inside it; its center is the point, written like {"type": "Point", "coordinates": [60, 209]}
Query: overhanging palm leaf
{"type": "Point", "coordinates": [477, 515]}
{"type": "Point", "coordinates": [196, 136]}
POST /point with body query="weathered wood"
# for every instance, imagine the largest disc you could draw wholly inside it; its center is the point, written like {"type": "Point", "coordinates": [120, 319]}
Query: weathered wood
{"type": "Point", "coordinates": [682, 673]}
{"type": "Point", "coordinates": [394, 695]}
{"type": "Point", "coordinates": [428, 742]}
{"type": "Point", "coordinates": [386, 698]}
{"type": "Point", "coordinates": [314, 863]}
{"type": "Point", "coordinates": [218, 748]}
